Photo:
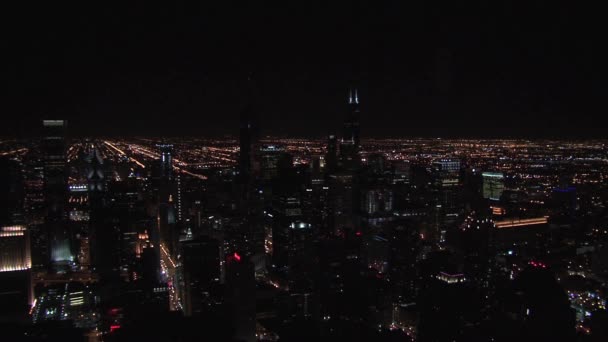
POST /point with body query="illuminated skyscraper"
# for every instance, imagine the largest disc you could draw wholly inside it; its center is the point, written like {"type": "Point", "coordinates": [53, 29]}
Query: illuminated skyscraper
{"type": "Point", "coordinates": [166, 160]}
{"type": "Point", "coordinates": [14, 249]}
{"type": "Point", "coordinates": [351, 132]}
{"type": "Point", "coordinates": [167, 196]}
{"type": "Point", "coordinates": [269, 161]}
{"type": "Point", "coordinates": [15, 273]}
{"type": "Point", "coordinates": [54, 147]}
{"type": "Point", "coordinates": [350, 144]}
{"type": "Point", "coordinates": [493, 185]}
{"type": "Point", "coordinates": [447, 188]}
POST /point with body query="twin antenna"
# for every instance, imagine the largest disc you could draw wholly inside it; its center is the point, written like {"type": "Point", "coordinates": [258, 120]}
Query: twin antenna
{"type": "Point", "coordinates": [351, 99]}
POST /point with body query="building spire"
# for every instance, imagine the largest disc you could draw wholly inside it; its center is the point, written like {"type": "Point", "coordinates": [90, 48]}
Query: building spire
{"type": "Point", "coordinates": [353, 95]}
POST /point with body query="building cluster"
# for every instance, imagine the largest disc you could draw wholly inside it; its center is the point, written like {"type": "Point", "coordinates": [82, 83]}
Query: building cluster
{"type": "Point", "coordinates": [260, 238]}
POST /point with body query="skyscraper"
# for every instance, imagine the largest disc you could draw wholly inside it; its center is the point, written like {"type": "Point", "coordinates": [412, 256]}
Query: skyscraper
{"type": "Point", "coordinates": [201, 268]}
{"type": "Point", "coordinates": [249, 135]}
{"type": "Point", "coordinates": [240, 296]}
{"type": "Point", "coordinates": [166, 160]}
{"type": "Point", "coordinates": [167, 194]}
{"type": "Point", "coordinates": [350, 144]}
{"type": "Point", "coordinates": [15, 273]}
{"type": "Point", "coordinates": [493, 185]}
{"type": "Point", "coordinates": [102, 225]}
{"type": "Point", "coordinates": [248, 143]}
{"type": "Point", "coordinates": [447, 186]}
{"type": "Point", "coordinates": [332, 153]}
{"type": "Point", "coordinates": [55, 189]}
{"type": "Point", "coordinates": [351, 123]}
{"type": "Point", "coordinates": [14, 249]}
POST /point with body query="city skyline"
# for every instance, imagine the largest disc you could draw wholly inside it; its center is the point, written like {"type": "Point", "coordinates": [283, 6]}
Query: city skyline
{"type": "Point", "coordinates": [254, 172]}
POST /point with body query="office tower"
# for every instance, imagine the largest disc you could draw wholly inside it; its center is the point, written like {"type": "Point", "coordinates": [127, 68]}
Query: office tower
{"type": "Point", "coordinates": [14, 249]}
{"type": "Point", "coordinates": [179, 203]}
{"type": "Point", "coordinates": [167, 195]}
{"type": "Point", "coordinates": [287, 210]}
{"type": "Point", "coordinates": [240, 296]}
{"type": "Point", "coordinates": [54, 147]}
{"type": "Point", "coordinates": [12, 190]}
{"type": "Point", "coordinates": [301, 274]}
{"type": "Point", "coordinates": [447, 169]}
{"type": "Point", "coordinates": [351, 123]}
{"type": "Point", "coordinates": [201, 269]}
{"type": "Point", "coordinates": [403, 273]}
{"type": "Point", "coordinates": [15, 273]}
{"type": "Point", "coordinates": [130, 222]}
{"type": "Point", "coordinates": [315, 206]}
{"type": "Point", "coordinates": [475, 242]}
{"type": "Point", "coordinates": [377, 164]}
{"type": "Point", "coordinates": [377, 201]}
{"type": "Point", "coordinates": [343, 202]}
{"type": "Point", "coordinates": [449, 299]}
{"type": "Point", "coordinates": [564, 201]}
{"type": "Point", "coordinates": [166, 160]}
{"type": "Point", "coordinates": [249, 135]}
{"type": "Point", "coordinates": [493, 185]}
{"type": "Point", "coordinates": [447, 187]}
{"type": "Point", "coordinates": [332, 153]}
{"type": "Point", "coordinates": [402, 172]}
{"type": "Point", "coordinates": [350, 143]}
{"type": "Point", "coordinates": [104, 240]}
{"type": "Point", "coordinates": [269, 161]}
{"type": "Point", "coordinates": [536, 308]}
{"type": "Point", "coordinates": [34, 208]}
{"type": "Point", "coordinates": [96, 181]}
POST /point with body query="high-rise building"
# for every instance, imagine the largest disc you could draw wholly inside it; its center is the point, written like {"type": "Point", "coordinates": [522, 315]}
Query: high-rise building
{"type": "Point", "coordinates": [350, 144]}
{"type": "Point", "coordinates": [103, 227]}
{"type": "Point", "coordinates": [402, 172]}
{"type": "Point", "coordinates": [249, 132]}
{"type": "Point", "coordinates": [447, 188]}
{"type": "Point", "coordinates": [15, 273]}
{"type": "Point", "coordinates": [54, 148]}
{"type": "Point", "coordinates": [286, 211]}
{"type": "Point", "coordinates": [240, 296]}
{"type": "Point", "coordinates": [269, 161]}
{"type": "Point", "coordinates": [201, 269]}
{"type": "Point", "coordinates": [12, 189]}
{"type": "Point", "coordinates": [351, 132]}
{"type": "Point", "coordinates": [332, 153]}
{"type": "Point", "coordinates": [14, 249]}
{"type": "Point", "coordinates": [343, 202]}
{"type": "Point", "coordinates": [167, 196]}
{"type": "Point", "coordinates": [376, 201]}
{"type": "Point", "coordinates": [493, 185]}
{"type": "Point", "coordinates": [302, 266]}
{"type": "Point", "coordinates": [166, 160]}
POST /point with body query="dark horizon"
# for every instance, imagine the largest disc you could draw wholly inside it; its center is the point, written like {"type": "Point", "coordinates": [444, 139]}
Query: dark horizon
{"type": "Point", "coordinates": [472, 69]}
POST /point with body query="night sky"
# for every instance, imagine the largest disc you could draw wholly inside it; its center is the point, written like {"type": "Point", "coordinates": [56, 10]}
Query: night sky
{"type": "Point", "coordinates": [424, 68]}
